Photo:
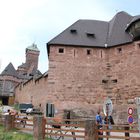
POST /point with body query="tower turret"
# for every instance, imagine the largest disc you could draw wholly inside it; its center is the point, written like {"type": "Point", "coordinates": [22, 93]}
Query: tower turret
{"type": "Point", "coordinates": [32, 55]}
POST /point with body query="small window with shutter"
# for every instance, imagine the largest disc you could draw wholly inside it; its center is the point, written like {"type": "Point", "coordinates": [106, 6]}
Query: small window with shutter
{"type": "Point", "coordinates": [50, 110]}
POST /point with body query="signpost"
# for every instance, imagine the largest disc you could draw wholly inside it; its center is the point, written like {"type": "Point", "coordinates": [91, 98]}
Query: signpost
{"type": "Point", "coordinates": [130, 111]}
{"type": "Point", "coordinates": [130, 119]}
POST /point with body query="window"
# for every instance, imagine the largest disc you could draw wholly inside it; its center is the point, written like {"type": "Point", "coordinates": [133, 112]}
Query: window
{"type": "Point", "coordinates": [119, 50]}
{"type": "Point", "coordinates": [92, 35]}
{"type": "Point", "coordinates": [50, 110]}
{"type": "Point", "coordinates": [104, 81]}
{"type": "Point", "coordinates": [61, 50]}
{"type": "Point", "coordinates": [73, 31]}
{"type": "Point", "coordinates": [114, 81]}
{"type": "Point", "coordinates": [137, 24]}
{"type": "Point", "coordinates": [88, 52]}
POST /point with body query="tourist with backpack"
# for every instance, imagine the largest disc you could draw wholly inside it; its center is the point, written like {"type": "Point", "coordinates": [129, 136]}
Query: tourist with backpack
{"type": "Point", "coordinates": [99, 123]}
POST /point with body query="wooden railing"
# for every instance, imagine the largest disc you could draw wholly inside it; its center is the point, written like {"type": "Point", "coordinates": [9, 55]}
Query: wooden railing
{"type": "Point", "coordinates": [126, 132]}
{"type": "Point", "coordinates": [23, 122]}
{"type": "Point", "coordinates": [65, 128]}
{"type": "Point", "coordinates": [77, 128]}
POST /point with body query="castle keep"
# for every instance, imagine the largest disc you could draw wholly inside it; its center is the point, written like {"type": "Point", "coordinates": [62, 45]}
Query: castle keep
{"type": "Point", "coordinates": [88, 62]}
{"type": "Point", "coordinates": [10, 77]}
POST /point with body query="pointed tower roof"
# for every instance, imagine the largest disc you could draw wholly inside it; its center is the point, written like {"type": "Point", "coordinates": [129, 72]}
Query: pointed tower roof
{"type": "Point", "coordinates": [10, 70]}
{"type": "Point", "coordinates": [33, 47]}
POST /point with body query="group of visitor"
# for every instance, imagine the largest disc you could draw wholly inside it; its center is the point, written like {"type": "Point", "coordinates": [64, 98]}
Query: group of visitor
{"type": "Point", "coordinates": [100, 120]}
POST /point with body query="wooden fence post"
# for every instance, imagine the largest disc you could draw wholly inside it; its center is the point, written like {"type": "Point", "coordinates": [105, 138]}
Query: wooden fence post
{"type": "Point", "coordinates": [9, 122]}
{"type": "Point", "coordinates": [39, 127]}
{"type": "Point", "coordinates": [90, 130]}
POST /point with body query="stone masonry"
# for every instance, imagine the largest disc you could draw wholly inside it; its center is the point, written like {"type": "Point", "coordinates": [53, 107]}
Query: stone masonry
{"type": "Point", "coordinates": [77, 81]}
{"type": "Point", "coordinates": [88, 62]}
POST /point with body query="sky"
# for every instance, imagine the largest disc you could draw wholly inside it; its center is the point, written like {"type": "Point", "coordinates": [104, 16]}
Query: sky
{"type": "Point", "coordinates": [23, 22]}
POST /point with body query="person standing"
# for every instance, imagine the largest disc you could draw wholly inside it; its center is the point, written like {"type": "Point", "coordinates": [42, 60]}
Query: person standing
{"type": "Point", "coordinates": [109, 120]}
{"type": "Point", "coordinates": [99, 123]}
{"type": "Point", "coordinates": [67, 117]}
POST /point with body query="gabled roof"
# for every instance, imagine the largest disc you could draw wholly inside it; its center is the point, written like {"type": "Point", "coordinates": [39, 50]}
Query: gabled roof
{"type": "Point", "coordinates": [93, 33]}
{"type": "Point", "coordinates": [9, 70]}
{"type": "Point", "coordinates": [83, 29]}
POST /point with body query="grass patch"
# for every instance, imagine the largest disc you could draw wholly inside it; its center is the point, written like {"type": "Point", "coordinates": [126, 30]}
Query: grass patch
{"type": "Point", "coordinates": [15, 135]}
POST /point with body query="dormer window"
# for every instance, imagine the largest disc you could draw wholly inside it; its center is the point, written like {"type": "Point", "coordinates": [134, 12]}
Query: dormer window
{"type": "Point", "coordinates": [73, 31]}
{"type": "Point", "coordinates": [134, 29]}
{"type": "Point", "coordinates": [92, 35]}
{"type": "Point", "coordinates": [137, 25]}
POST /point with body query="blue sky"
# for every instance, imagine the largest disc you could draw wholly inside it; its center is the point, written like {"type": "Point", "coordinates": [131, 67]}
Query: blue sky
{"type": "Point", "coordinates": [26, 21]}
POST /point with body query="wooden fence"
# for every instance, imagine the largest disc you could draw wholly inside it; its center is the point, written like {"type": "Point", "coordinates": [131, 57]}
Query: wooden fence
{"type": "Point", "coordinates": [65, 128]}
{"type": "Point", "coordinates": [23, 122]}
{"type": "Point", "coordinates": [72, 128]}
{"type": "Point", "coordinates": [126, 132]}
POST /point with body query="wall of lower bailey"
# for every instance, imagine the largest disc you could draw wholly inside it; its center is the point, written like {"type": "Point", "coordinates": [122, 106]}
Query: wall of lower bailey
{"type": "Point", "coordinates": [33, 91]}
{"type": "Point", "coordinates": [81, 82]}
{"type": "Point", "coordinates": [78, 81]}
{"type": "Point", "coordinates": [124, 66]}
{"type": "Point", "coordinates": [75, 78]}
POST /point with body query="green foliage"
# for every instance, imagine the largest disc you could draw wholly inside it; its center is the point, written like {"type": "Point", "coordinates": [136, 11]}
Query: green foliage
{"type": "Point", "coordinates": [15, 135]}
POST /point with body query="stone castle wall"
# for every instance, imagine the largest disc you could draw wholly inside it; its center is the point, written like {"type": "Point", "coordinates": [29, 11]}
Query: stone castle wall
{"type": "Point", "coordinates": [81, 82]}
{"type": "Point", "coordinates": [33, 91]}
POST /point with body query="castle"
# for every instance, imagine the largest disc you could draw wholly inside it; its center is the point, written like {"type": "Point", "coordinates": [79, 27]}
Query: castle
{"type": "Point", "coordinates": [10, 77]}
{"type": "Point", "coordinates": [88, 62]}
